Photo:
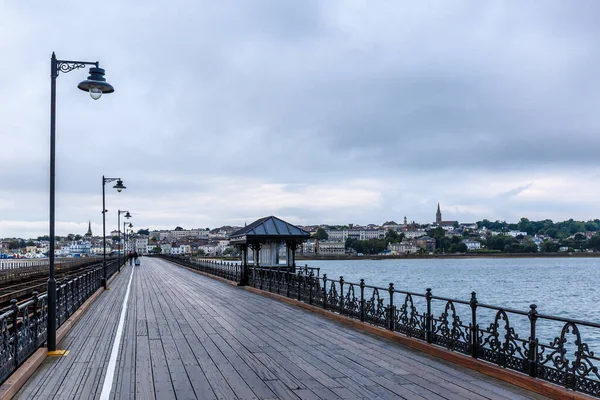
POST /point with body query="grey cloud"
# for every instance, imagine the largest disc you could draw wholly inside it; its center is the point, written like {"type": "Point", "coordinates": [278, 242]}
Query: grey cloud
{"type": "Point", "coordinates": [304, 93]}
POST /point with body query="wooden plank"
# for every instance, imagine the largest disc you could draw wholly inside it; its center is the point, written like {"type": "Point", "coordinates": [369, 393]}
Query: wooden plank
{"type": "Point", "coordinates": [144, 380]}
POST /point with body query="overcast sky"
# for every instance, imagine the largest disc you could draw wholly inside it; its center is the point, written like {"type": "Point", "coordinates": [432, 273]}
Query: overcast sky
{"type": "Point", "coordinates": [314, 111]}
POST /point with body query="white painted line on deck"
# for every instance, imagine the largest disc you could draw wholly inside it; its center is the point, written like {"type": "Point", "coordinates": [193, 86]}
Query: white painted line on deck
{"type": "Point", "coordinates": [112, 363]}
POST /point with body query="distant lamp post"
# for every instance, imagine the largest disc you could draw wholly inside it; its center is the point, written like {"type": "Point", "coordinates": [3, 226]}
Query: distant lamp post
{"type": "Point", "coordinates": [125, 247]}
{"type": "Point", "coordinates": [127, 215]}
{"type": "Point", "coordinates": [96, 85]}
{"type": "Point", "coordinates": [130, 226]}
{"type": "Point", "coordinates": [119, 186]}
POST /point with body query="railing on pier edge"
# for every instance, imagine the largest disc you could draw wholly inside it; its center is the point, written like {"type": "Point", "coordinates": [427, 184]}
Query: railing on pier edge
{"type": "Point", "coordinates": [412, 314]}
{"type": "Point", "coordinates": [23, 326]}
{"type": "Point", "coordinates": [229, 271]}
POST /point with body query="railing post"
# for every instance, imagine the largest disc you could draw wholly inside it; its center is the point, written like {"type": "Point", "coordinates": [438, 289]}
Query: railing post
{"type": "Point", "coordinates": [362, 300]}
{"type": "Point", "coordinates": [270, 273]}
{"type": "Point", "coordinates": [15, 330]}
{"type": "Point", "coordinates": [392, 313]}
{"type": "Point", "coordinates": [35, 317]}
{"type": "Point", "coordinates": [324, 291]}
{"type": "Point", "coordinates": [341, 304]}
{"type": "Point", "coordinates": [428, 317]}
{"type": "Point", "coordinates": [297, 277]}
{"type": "Point", "coordinates": [311, 281]}
{"type": "Point", "coordinates": [287, 279]}
{"type": "Point", "coordinates": [533, 348]}
{"type": "Point", "coordinates": [474, 327]}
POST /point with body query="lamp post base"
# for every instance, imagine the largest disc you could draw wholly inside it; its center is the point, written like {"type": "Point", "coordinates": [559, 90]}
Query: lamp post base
{"type": "Point", "coordinates": [51, 338]}
{"type": "Point", "coordinates": [103, 283]}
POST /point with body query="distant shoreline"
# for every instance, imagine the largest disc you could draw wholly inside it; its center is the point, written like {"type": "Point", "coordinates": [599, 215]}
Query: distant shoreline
{"type": "Point", "coordinates": [454, 256]}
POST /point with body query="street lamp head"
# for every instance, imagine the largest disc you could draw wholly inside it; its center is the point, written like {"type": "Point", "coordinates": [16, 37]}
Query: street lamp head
{"type": "Point", "coordinates": [127, 215]}
{"type": "Point", "coordinates": [130, 225]}
{"type": "Point", "coordinates": [119, 186]}
{"type": "Point", "coordinates": [96, 84]}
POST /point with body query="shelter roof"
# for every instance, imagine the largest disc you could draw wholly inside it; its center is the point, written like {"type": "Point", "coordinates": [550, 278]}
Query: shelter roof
{"type": "Point", "coordinates": [268, 228]}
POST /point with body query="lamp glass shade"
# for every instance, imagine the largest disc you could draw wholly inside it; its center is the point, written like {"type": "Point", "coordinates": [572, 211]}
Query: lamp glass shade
{"type": "Point", "coordinates": [97, 82]}
{"type": "Point", "coordinates": [119, 186]}
{"type": "Point", "coordinates": [95, 93]}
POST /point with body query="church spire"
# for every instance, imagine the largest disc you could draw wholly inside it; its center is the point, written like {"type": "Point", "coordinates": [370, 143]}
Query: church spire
{"type": "Point", "coordinates": [438, 215]}
{"type": "Point", "coordinates": [89, 232]}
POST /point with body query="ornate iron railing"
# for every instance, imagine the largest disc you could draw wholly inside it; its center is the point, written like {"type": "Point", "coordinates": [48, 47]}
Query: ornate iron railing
{"type": "Point", "coordinates": [229, 271]}
{"type": "Point", "coordinates": [542, 346]}
{"type": "Point", "coordinates": [23, 326]}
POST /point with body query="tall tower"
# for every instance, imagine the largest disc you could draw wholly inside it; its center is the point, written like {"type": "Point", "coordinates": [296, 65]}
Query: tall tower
{"type": "Point", "coordinates": [405, 222]}
{"type": "Point", "coordinates": [89, 232]}
{"type": "Point", "coordinates": [438, 215]}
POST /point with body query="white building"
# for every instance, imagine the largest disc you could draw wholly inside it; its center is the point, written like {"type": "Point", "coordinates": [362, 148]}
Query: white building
{"type": "Point", "coordinates": [212, 250]}
{"type": "Point", "coordinates": [516, 233]}
{"type": "Point", "coordinates": [141, 244]}
{"type": "Point", "coordinates": [80, 248]}
{"type": "Point", "coordinates": [180, 234]}
{"type": "Point", "coordinates": [166, 248]}
{"type": "Point", "coordinates": [341, 235]}
{"type": "Point", "coordinates": [182, 249]}
{"type": "Point", "coordinates": [402, 248]}
{"type": "Point", "coordinates": [414, 234]}
{"type": "Point", "coordinates": [331, 248]}
{"type": "Point", "coordinates": [472, 244]}
{"type": "Point", "coordinates": [308, 247]}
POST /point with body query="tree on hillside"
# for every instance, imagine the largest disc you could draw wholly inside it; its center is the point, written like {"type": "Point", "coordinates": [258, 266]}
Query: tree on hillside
{"type": "Point", "coordinates": [549, 246]}
{"type": "Point", "coordinates": [178, 228]}
{"type": "Point", "coordinates": [157, 250]}
{"type": "Point", "coordinates": [321, 234]}
{"type": "Point", "coordinates": [393, 235]}
{"type": "Point", "coordinates": [143, 232]}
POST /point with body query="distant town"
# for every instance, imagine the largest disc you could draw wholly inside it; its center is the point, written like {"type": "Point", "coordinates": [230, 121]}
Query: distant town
{"type": "Point", "coordinates": [388, 239]}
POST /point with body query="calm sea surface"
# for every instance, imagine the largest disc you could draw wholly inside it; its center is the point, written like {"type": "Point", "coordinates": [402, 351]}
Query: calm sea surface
{"type": "Point", "coordinates": [560, 287]}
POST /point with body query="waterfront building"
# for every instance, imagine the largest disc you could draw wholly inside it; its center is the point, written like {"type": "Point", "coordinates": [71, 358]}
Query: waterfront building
{"type": "Point", "coordinates": [408, 247]}
{"type": "Point", "coordinates": [80, 248]}
{"type": "Point", "coordinates": [328, 248]}
{"type": "Point", "coordinates": [166, 248]}
{"type": "Point", "coordinates": [341, 235]}
{"type": "Point", "coordinates": [308, 248]}
{"type": "Point", "coordinates": [472, 244]}
{"type": "Point", "coordinates": [425, 242]}
{"type": "Point", "coordinates": [140, 244]}
{"type": "Point", "coordinates": [96, 249]}
{"type": "Point", "coordinates": [181, 249]}
{"type": "Point", "coordinates": [209, 249]}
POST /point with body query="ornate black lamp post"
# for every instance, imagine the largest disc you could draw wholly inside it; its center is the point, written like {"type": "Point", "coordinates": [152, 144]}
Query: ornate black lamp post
{"type": "Point", "coordinates": [96, 85]}
{"type": "Point", "coordinates": [127, 215]}
{"type": "Point", "coordinates": [125, 231]}
{"type": "Point", "coordinates": [119, 186]}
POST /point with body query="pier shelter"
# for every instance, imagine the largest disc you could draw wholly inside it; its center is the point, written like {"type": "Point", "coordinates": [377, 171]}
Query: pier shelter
{"type": "Point", "coordinates": [263, 238]}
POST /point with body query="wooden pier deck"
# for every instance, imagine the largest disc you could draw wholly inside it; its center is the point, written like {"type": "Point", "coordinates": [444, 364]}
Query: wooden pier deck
{"type": "Point", "coordinates": [187, 336]}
